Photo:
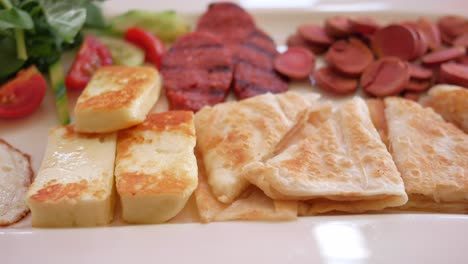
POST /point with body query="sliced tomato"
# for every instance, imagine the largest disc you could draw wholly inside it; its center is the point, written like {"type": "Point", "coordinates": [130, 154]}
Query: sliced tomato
{"type": "Point", "coordinates": [91, 56]}
{"type": "Point", "coordinates": [22, 95]}
{"type": "Point", "coordinates": [152, 45]}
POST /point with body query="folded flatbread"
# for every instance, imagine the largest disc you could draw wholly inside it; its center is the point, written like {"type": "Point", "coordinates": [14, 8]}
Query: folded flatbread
{"type": "Point", "coordinates": [377, 113]}
{"type": "Point", "coordinates": [431, 154]}
{"type": "Point", "coordinates": [451, 102]}
{"type": "Point", "coordinates": [334, 159]}
{"type": "Point", "coordinates": [252, 204]}
{"type": "Point", "coordinates": [233, 134]}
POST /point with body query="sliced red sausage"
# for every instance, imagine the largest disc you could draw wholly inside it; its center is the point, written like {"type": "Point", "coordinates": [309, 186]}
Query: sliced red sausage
{"type": "Point", "coordinates": [454, 73]}
{"type": "Point", "coordinates": [338, 26]}
{"type": "Point", "coordinates": [228, 21]}
{"type": "Point", "coordinates": [452, 27]}
{"type": "Point", "coordinates": [297, 40]}
{"type": "Point", "coordinates": [349, 57]}
{"type": "Point", "coordinates": [396, 41]}
{"type": "Point", "coordinates": [461, 40]}
{"type": "Point", "coordinates": [431, 33]}
{"type": "Point", "coordinates": [415, 85]}
{"type": "Point", "coordinates": [421, 41]}
{"type": "Point", "coordinates": [413, 96]}
{"type": "Point", "coordinates": [441, 56]}
{"type": "Point", "coordinates": [250, 80]}
{"type": "Point", "coordinates": [419, 72]}
{"type": "Point", "coordinates": [463, 60]}
{"type": "Point", "coordinates": [315, 34]}
{"type": "Point", "coordinates": [327, 79]}
{"type": "Point", "coordinates": [386, 76]}
{"type": "Point", "coordinates": [364, 25]}
{"type": "Point", "coordinates": [296, 63]}
{"type": "Point", "coordinates": [422, 44]}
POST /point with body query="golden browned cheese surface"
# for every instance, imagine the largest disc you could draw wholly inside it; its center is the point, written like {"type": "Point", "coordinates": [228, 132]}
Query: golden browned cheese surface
{"type": "Point", "coordinates": [150, 156]}
{"type": "Point", "coordinates": [431, 154]}
{"type": "Point", "coordinates": [117, 87]}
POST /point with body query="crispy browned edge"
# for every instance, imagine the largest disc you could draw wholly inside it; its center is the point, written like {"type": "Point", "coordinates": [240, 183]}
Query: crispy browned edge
{"type": "Point", "coordinates": [31, 175]}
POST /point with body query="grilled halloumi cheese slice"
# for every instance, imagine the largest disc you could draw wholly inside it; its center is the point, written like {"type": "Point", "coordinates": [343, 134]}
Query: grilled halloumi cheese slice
{"type": "Point", "coordinates": [74, 186]}
{"type": "Point", "coordinates": [156, 168]}
{"type": "Point", "coordinates": [117, 97]}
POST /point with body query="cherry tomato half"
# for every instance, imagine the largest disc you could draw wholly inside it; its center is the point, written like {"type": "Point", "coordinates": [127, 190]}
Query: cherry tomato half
{"type": "Point", "coordinates": [22, 95]}
{"type": "Point", "coordinates": [91, 56]}
{"type": "Point", "coordinates": [152, 45]}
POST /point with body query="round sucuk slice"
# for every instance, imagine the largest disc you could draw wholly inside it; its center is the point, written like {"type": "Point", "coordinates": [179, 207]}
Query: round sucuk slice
{"type": "Point", "coordinates": [445, 55]}
{"type": "Point", "coordinates": [421, 41]}
{"type": "Point", "coordinates": [327, 79]}
{"type": "Point", "coordinates": [228, 21]}
{"type": "Point", "coordinates": [461, 40]}
{"type": "Point", "coordinates": [297, 40]}
{"type": "Point", "coordinates": [16, 176]}
{"type": "Point", "coordinates": [454, 73]}
{"type": "Point", "coordinates": [419, 72]}
{"type": "Point", "coordinates": [364, 25]}
{"type": "Point", "coordinates": [431, 32]}
{"type": "Point", "coordinates": [422, 44]}
{"type": "Point", "coordinates": [349, 57]}
{"type": "Point", "coordinates": [415, 85]}
{"type": "Point", "coordinates": [296, 63]}
{"type": "Point", "coordinates": [463, 60]}
{"type": "Point", "coordinates": [314, 34]}
{"type": "Point", "coordinates": [197, 71]}
{"type": "Point", "coordinates": [251, 81]}
{"type": "Point", "coordinates": [452, 27]}
{"type": "Point", "coordinates": [396, 41]}
{"type": "Point", "coordinates": [385, 77]}
{"type": "Point", "coordinates": [413, 96]}
{"type": "Point", "coordinates": [338, 26]}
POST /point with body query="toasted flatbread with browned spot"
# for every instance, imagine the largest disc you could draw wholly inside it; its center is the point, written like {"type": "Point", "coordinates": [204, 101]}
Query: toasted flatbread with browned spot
{"type": "Point", "coordinates": [233, 134]}
{"type": "Point", "coordinates": [335, 160]}
{"type": "Point", "coordinates": [431, 154]}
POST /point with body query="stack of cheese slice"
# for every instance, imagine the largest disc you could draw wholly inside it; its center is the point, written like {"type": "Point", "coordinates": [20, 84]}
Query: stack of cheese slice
{"type": "Point", "coordinates": [156, 169]}
{"type": "Point", "coordinates": [155, 166]}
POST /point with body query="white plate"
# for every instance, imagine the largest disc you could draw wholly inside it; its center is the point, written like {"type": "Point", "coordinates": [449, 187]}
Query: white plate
{"type": "Point", "coordinates": [399, 238]}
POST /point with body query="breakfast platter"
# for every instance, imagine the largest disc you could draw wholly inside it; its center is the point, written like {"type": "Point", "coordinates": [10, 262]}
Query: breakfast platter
{"type": "Point", "coordinates": [273, 158]}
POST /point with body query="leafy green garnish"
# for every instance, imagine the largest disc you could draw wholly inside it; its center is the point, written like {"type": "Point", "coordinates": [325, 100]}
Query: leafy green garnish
{"type": "Point", "coordinates": [37, 32]}
{"type": "Point", "coordinates": [15, 18]}
{"type": "Point", "coordinates": [65, 18]}
{"type": "Point", "coordinates": [42, 30]}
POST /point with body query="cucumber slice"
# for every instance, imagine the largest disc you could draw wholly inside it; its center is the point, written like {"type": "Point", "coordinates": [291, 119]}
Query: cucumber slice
{"type": "Point", "coordinates": [123, 53]}
{"type": "Point", "coordinates": [166, 25]}
{"type": "Point", "coordinates": [57, 80]}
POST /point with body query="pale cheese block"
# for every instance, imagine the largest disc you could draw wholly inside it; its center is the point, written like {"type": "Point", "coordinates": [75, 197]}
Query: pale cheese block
{"type": "Point", "coordinates": [75, 183]}
{"type": "Point", "coordinates": [117, 97]}
{"type": "Point", "coordinates": [156, 169]}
